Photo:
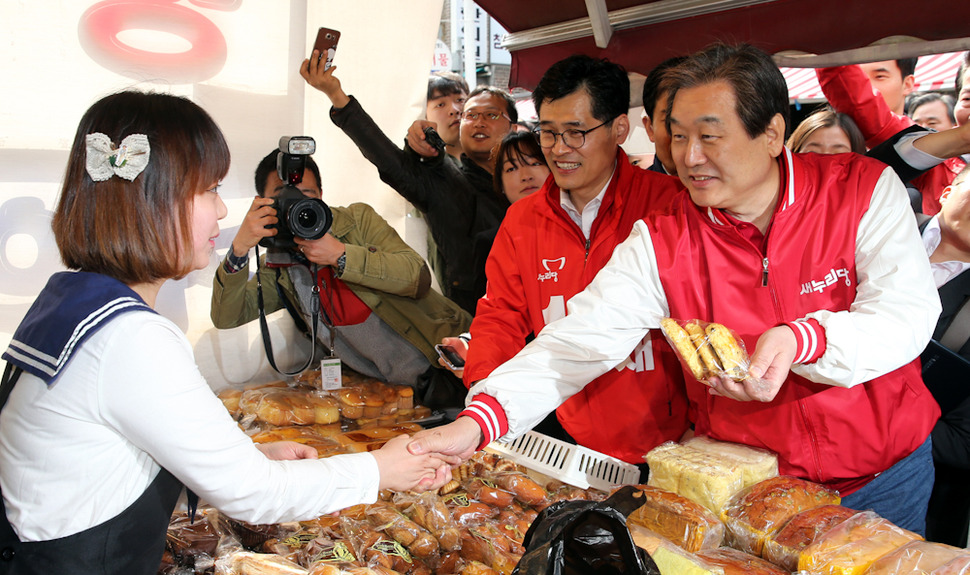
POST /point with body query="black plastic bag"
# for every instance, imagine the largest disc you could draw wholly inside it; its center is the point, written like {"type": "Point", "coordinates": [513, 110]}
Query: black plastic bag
{"type": "Point", "coordinates": [586, 538]}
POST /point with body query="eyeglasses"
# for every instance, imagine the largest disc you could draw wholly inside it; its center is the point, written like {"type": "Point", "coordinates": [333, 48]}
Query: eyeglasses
{"type": "Point", "coordinates": [572, 138]}
{"type": "Point", "coordinates": [490, 116]}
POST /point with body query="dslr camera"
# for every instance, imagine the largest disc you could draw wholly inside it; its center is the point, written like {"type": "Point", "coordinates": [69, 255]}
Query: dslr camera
{"type": "Point", "coordinates": [298, 216]}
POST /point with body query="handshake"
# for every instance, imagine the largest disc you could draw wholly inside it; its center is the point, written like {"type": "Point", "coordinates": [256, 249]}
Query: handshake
{"type": "Point", "coordinates": [423, 462]}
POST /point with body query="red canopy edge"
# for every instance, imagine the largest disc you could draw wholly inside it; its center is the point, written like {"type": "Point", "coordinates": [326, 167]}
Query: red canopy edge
{"type": "Point", "coordinates": [819, 27]}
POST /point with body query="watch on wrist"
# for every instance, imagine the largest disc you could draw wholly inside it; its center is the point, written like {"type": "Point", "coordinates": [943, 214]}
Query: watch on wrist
{"type": "Point", "coordinates": [341, 263]}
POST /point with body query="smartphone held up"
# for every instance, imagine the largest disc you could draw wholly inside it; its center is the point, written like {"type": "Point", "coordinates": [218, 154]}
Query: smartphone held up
{"type": "Point", "coordinates": [326, 44]}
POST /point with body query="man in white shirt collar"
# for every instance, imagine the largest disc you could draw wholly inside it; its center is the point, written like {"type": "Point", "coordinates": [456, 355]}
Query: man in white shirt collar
{"type": "Point", "coordinates": [947, 236]}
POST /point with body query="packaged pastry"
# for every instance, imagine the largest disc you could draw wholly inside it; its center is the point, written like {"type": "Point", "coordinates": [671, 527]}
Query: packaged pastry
{"type": "Point", "coordinates": [351, 402]}
{"type": "Point", "coordinates": [783, 546]}
{"type": "Point", "coordinates": [248, 563]}
{"type": "Point", "coordinates": [230, 398]}
{"type": "Point", "coordinates": [671, 559]}
{"type": "Point", "coordinates": [916, 557]}
{"type": "Point", "coordinates": [709, 474]}
{"type": "Point", "coordinates": [755, 464]}
{"type": "Point", "coordinates": [853, 546]}
{"type": "Point", "coordinates": [429, 511]}
{"type": "Point", "coordinates": [707, 349]}
{"type": "Point", "coordinates": [958, 566]}
{"type": "Point", "coordinates": [682, 521]}
{"type": "Point", "coordinates": [759, 511]}
{"type": "Point", "coordinates": [278, 406]}
{"type": "Point", "coordinates": [192, 541]}
{"type": "Point", "coordinates": [735, 562]}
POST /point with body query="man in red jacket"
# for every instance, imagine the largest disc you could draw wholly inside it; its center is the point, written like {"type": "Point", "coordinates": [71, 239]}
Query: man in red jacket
{"type": "Point", "coordinates": [552, 243]}
{"type": "Point", "coordinates": [813, 260]}
{"type": "Point", "coordinates": [849, 89]}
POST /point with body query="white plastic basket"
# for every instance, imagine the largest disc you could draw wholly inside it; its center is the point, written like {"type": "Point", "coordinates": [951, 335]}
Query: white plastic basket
{"type": "Point", "coordinates": [572, 464]}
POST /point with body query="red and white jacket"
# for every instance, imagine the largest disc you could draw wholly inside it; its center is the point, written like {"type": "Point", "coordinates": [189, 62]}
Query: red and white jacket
{"type": "Point", "coordinates": [845, 267]}
{"type": "Point", "coordinates": [541, 259]}
{"type": "Point", "coordinates": [848, 90]}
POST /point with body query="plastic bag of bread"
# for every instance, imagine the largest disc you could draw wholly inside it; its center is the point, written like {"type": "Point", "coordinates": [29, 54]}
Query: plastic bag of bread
{"type": "Point", "coordinates": [916, 557]}
{"type": "Point", "coordinates": [707, 349]}
{"type": "Point", "coordinates": [708, 472]}
{"type": "Point", "coordinates": [374, 548]}
{"type": "Point", "coordinates": [671, 559]}
{"type": "Point", "coordinates": [754, 464]}
{"type": "Point", "coordinates": [193, 541]}
{"type": "Point", "coordinates": [735, 562]}
{"type": "Point", "coordinates": [305, 434]}
{"type": "Point", "coordinates": [757, 512]}
{"type": "Point", "coordinates": [958, 566]}
{"type": "Point", "coordinates": [690, 525]}
{"type": "Point", "coordinates": [429, 511]}
{"type": "Point", "coordinates": [283, 406]}
{"type": "Point", "coordinates": [248, 563]}
{"type": "Point", "coordinates": [853, 546]}
{"type": "Point", "coordinates": [401, 528]}
{"type": "Point", "coordinates": [783, 546]}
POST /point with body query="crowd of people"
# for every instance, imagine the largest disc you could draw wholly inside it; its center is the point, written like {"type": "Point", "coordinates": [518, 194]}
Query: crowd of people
{"type": "Point", "coordinates": [556, 259]}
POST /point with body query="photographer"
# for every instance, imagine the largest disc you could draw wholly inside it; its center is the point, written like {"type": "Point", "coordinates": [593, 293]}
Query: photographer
{"type": "Point", "coordinates": [375, 291]}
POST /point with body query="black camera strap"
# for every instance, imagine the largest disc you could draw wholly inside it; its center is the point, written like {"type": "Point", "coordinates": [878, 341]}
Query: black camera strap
{"type": "Point", "coordinates": [264, 328]}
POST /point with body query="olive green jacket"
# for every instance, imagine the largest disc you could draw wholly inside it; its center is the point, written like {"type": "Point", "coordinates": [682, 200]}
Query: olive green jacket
{"type": "Point", "coordinates": [381, 269]}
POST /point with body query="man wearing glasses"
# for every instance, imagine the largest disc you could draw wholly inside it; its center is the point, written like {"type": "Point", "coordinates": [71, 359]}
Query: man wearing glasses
{"type": "Point", "coordinates": [552, 243]}
{"type": "Point", "coordinates": [457, 198]}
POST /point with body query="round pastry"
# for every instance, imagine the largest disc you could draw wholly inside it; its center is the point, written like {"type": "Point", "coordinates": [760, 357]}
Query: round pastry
{"type": "Point", "coordinates": [405, 396]}
{"type": "Point", "coordinates": [325, 409]}
{"type": "Point", "coordinates": [373, 404]}
{"type": "Point", "coordinates": [351, 403]}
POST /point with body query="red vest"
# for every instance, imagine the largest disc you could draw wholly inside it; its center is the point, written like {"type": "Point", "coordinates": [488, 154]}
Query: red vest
{"type": "Point", "coordinates": [840, 437]}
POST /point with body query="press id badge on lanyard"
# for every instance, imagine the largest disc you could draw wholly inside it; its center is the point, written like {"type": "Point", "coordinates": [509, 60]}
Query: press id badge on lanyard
{"type": "Point", "coordinates": [330, 372]}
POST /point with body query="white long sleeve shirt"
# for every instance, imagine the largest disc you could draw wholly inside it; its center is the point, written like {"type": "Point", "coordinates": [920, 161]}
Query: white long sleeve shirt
{"type": "Point", "coordinates": [78, 453]}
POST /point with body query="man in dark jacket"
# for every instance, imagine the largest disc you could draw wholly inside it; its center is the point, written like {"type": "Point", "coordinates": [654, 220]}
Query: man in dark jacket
{"type": "Point", "coordinates": [456, 197]}
{"type": "Point", "coordinates": [947, 237]}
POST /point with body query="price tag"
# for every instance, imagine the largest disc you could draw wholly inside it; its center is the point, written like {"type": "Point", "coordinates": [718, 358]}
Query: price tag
{"type": "Point", "coordinates": [330, 373]}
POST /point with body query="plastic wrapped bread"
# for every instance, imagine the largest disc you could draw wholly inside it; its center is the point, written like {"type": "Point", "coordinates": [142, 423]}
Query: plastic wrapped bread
{"type": "Point", "coordinates": [784, 546]}
{"type": "Point", "coordinates": [958, 566]}
{"type": "Point", "coordinates": [687, 524]}
{"type": "Point", "coordinates": [916, 557]}
{"type": "Point", "coordinates": [670, 559]}
{"type": "Point", "coordinates": [759, 511]}
{"type": "Point", "coordinates": [735, 562]}
{"type": "Point", "coordinates": [755, 464]}
{"type": "Point", "coordinates": [282, 406]}
{"type": "Point", "coordinates": [852, 546]}
{"type": "Point", "coordinates": [246, 563]}
{"type": "Point", "coordinates": [709, 474]}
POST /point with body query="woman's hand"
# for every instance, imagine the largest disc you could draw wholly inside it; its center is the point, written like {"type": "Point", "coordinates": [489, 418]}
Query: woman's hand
{"type": "Point", "coordinates": [403, 471]}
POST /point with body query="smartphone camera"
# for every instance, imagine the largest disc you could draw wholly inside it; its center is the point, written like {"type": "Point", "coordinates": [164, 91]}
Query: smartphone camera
{"type": "Point", "coordinates": [298, 216]}
{"type": "Point", "coordinates": [434, 140]}
{"type": "Point", "coordinates": [450, 356]}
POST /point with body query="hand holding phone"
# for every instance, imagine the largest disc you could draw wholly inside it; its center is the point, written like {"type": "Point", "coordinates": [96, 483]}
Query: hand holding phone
{"type": "Point", "coordinates": [434, 140]}
{"type": "Point", "coordinates": [450, 356]}
{"type": "Point", "coordinates": [326, 44]}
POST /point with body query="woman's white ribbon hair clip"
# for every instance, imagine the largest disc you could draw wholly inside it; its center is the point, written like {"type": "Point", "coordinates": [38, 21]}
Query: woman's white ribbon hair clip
{"type": "Point", "coordinates": [126, 161]}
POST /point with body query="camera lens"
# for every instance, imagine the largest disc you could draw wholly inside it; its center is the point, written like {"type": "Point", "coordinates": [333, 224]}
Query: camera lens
{"type": "Point", "coordinates": [309, 219]}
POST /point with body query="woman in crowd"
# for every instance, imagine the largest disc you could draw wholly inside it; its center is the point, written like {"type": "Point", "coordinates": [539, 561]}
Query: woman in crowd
{"type": "Point", "coordinates": [520, 167]}
{"type": "Point", "coordinates": [826, 131]}
{"type": "Point", "coordinates": [106, 415]}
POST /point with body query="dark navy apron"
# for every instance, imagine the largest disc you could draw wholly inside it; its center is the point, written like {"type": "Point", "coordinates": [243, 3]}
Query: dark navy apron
{"type": "Point", "coordinates": [71, 307]}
